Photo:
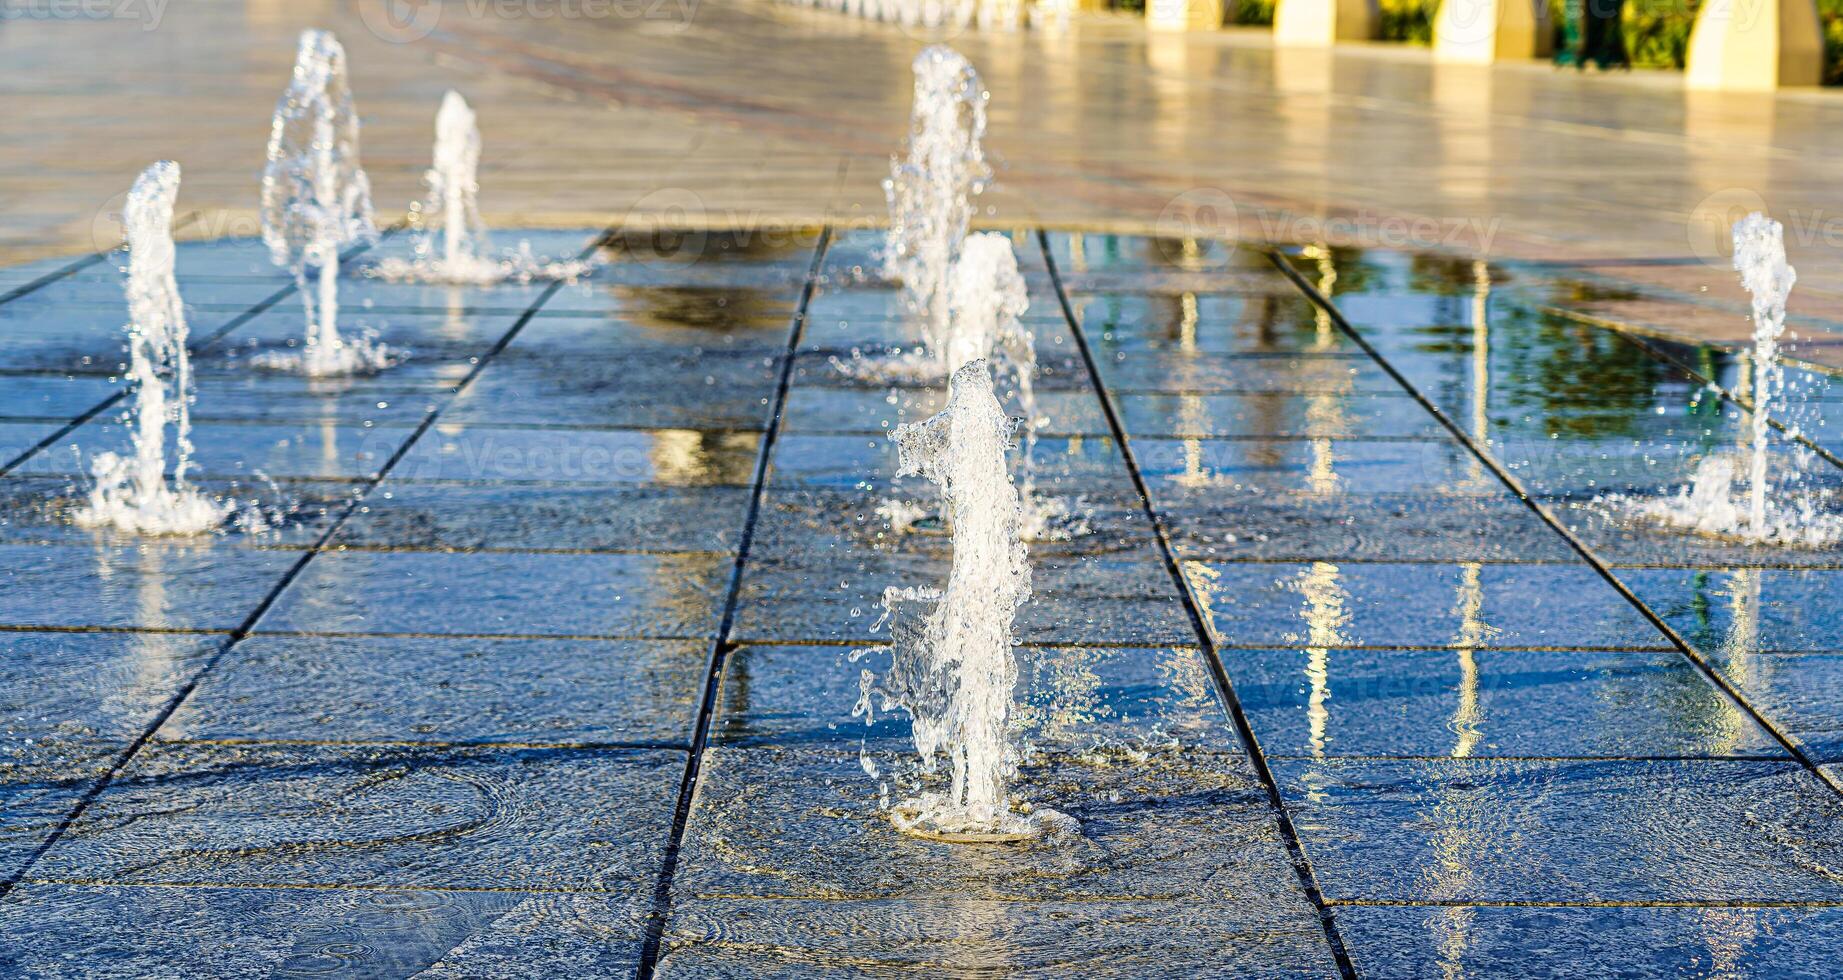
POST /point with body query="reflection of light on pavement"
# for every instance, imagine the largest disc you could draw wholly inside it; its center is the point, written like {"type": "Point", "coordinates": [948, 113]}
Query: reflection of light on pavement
{"type": "Point", "coordinates": [1324, 411]}
{"type": "Point", "coordinates": [1472, 634]}
{"type": "Point", "coordinates": [1078, 252]}
{"type": "Point", "coordinates": [1476, 476]}
{"type": "Point", "coordinates": [1325, 620]}
{"type": "Point", "coordinates": [1192, 412]}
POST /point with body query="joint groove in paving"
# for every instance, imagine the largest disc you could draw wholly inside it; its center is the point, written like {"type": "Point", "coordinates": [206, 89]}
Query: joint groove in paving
{"type": "Point", "coordinates": [1218, 672]}
{"type": "Point", "coordinates": [1677, 641]}
{"type": "Point", "coordinates": [246, 627]}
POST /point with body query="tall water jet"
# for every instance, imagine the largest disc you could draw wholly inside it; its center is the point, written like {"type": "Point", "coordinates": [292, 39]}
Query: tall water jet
{"type": "Point", "coordinates": [1708, 504]}
{"type": "Point", "coordinates": [452, 243]}
{"type": "Point", "coordinates": [931, 193]}
{"type": "Point", "coordinates": [952, 668]}
{"type": "Point", "coordinates": [132, 493]}
{"type": "Point", "coordinates": [316, 200]}
{"type": "Point", "coordinates": [1759, 256]}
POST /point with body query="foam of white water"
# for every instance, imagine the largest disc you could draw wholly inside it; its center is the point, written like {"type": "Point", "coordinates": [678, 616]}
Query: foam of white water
{"type": "Point", "coordinates": [452, 243]}
{"type": "Point", "coordinates": [931, 192]}
{"type": "Point", "coordinates": [132, 493]}
{"type": "Point", "coordinates": [952, 668]}
{"type": "Point", "coordinates": [316, 200]}
{"type": "Point", "coordinates": [1710, 506]}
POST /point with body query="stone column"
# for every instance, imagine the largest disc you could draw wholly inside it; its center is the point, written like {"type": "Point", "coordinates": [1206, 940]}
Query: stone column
{"type": "Point", "coordinates": [1321, 23]}
{"type": "Point", "coordinates": [1479, 32]}
{"type": "Point", "coordinates": [1755, 46]}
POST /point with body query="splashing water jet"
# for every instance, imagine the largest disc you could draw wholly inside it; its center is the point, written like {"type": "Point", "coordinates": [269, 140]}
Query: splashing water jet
{"type": "Point", "coordinates": [931, 193]}
{"type": "Point", "coordinates": [451, 215]}
{"type": "Point", "coordinates": [952, 667]}
{"type": "Point", "coordinates": [316, 200]}
{"type": "Point", "coordinates": [1708, 505]}
{"type": "Point", "coordinates": [132, 493]}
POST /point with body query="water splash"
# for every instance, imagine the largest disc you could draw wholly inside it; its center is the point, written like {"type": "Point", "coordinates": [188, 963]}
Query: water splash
{"type": "Point", "coordinates": [452, 244]}
{"type": "Point", "coordinates": [1759, 256]}
{"type": "Point", "coordinates": [132, 493]}
{"type": "Point", "coordinates": [952, 667]}
{"type": "Point", "coordinates": [1710, 505]}
{"type": "Point", "coordinates": [931, 193]}
{"type": "Point", "coordinates": [316, 200]}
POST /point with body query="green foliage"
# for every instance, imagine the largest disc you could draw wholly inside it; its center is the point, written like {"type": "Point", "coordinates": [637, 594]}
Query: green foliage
{"type": "Point", "coordinates": [1251, 11]}
{"type": "Point", "coordinates": [1408, 20]}
{"type": "Point", "coordinates": [1657, 32]}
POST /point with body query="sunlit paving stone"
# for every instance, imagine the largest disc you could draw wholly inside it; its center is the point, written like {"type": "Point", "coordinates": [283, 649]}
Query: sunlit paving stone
{"type": "Point", "coordinates": [267, 514]}
{"type": "Point", "coordinates": [189, 584]}
{"type": "Point", "coordinates": [291, 450]}
{"type": "Point", "coordinates": [899, 937]}
{"type": "Point", "coordinates": [1479, 703]}
{"type": "Point", "coordinates": [504, 593]}
{"type": "Point", "coordinates": [1464, 604]}
{"type": "Point", "coordinates": [1356, 527]}
{"type": "Point", "coordinates": [1238, 466]}
{"type": "Point", "coordinates": [816, 410]}
{"type": "Point", "coordinates": [468, 818]}
{"type": "Point", "coordinates": [484, 452]}
{"type": "Point", "coordinates": [1592, 941]}
{"type": "Point", "coordinates": [1277, 415]}
{"type": "Point", "coordinates": [548, 516]}
{"type": "Point", "coordinates": [1458, 830]}
{"type": "Point", "coordinates": [1729, 613]}
{"type": "Point", "coordinates": [142, 931]}
{"type": "Point", "coordinates": [421, 689]}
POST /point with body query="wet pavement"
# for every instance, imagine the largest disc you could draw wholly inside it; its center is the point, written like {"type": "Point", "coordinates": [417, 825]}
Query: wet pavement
{"type": "Point", "coordinates": [545, 665]}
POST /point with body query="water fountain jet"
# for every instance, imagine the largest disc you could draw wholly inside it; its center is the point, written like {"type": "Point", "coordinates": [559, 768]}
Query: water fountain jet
{"type": "Point", "coordinates": [316, 200]}
{"type": "Point", "coordinates": [451, 215]}
{"type": "Point", "coordinates": [132, 493]}
{"type": "Point", "coordinates": [952, 668]}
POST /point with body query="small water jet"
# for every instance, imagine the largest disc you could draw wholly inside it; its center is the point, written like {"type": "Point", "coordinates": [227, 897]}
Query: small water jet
{"type": "Point", "coordinates": [1709, 505]}
{"type": "Point", "coordinates": [316, 200]}
{"type": "Point", "coordinates": [132, 493]}
{"type": "Point", "coordinates": [931, 193]}
{"type": "Point", "coordinates": [451, 216]}
{"type": "Point", "coordinates": [951, 666]}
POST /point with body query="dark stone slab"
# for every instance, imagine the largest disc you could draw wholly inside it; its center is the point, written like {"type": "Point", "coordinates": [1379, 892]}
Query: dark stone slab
{"type": "Point", "coordinates": [1278, 415]}
{"type": "Point", "coordinates": [658, 595]}
{"type": "Point", "coordinates": [1074, 599]}
{"type": "Point", "coordinates": [117, 931]}
{"type": "Point", "coordinates": [683, 389]}
{"type": "Point", "coordinates": [1375, 527]}
{"type": "Point", "coordinates": [87, 693]}
{"type": "Point", "coordinates": [1797, 693]}
{"type": "Point", "coordinates": [415, 689]}
{"type": "Point", "coordinates": [1240, 466]}
{"type": "Point", "coordinates": [1480, 703]}
{"type": "Point", "coordinates": [1729, 613]}
{"type": "Point", "coordinates": [814, 410]}
{"type": "Point", "coordinates": [1592, 943]}
{"type": "Point", "coordinates": [1434, 605]}
{"type": "Point", "coordinates": [676, 457]}
{"type": "Point", "coordinates": [846, 524]}
{"type": "Point", "coordinates": [50, 396]}
{"type": "Point", "coordinates": [1566, 831]}
{"type": "Point", "coordinates": [803, 823]}
{"type": "Point", "coordinates": [198, 584]}
{"type": "Point", "coordinates": [512, 818]}
{"type": "Point", "coordinates": [1066, 699]}
{"type": "Point", "coordinates": [1160, 940]}
{"type": "Point", "coordinates": [463, 517]}
{"type": "Point", "coordinates": [1204, 373]}
{"type": "Point", "coordinates": [1070, 465]}
{"type": "Point", "coordinates": [302, 450]}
